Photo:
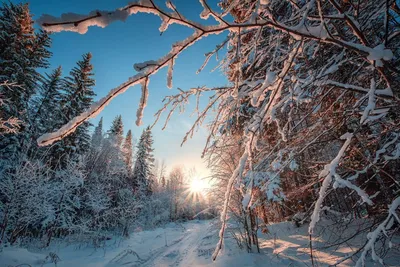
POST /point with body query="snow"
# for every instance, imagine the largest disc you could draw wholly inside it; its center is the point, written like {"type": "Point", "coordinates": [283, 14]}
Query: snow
{"type": "Point", "coordinates": [80, 23]}
{"type": "Point", "coordinates": [188, 244]}
{"type": "Point", "coordinates": [17, 256]}
{"type": "Point", "coordinates": [141, 77]}
{"type": "Point", "coordinates": [145, 66]}
{"type": "Point", "coordinates": [238, 172]}
{"type": "Point", "coordinates": [191, 244]}
{"type": "Point", "coordinates": [246, 200]}
{"type": "Point", "coordinates": [378, 53]}
{"type": "Point", "coordinates": [329, 172]}
{"type": "Point", "coordinates": [371, 102]}
{"type": "Point", "coordinates": [339, 182]}
{"type": "Point", "coordinates": [316, 31]}
{"type": "Point", "coordinates": [374, 235]}
{"type": "Point", "coordinates": [93, 111]}
{"type": "Point", "coordinates": [96, 18]}
{"type": "Point", "coordinates": [270, 183]}
{"type": "Point", "coordinates": [379, 152]}
{"type": "Point", "coordinates": [103, 20]}
{"type": "Point", "coordinates": [169, 74]}
{"type": "Point", "coordinates": [164, 24]}
{"type": "Point", "coordinates": [143, 101]}
{"type": "Point", "coordinates": [205, 14]}
{"type": "Point", "coordinates": [270, 78]}
{"type": "Point", "coordinates": [395, 154]}
{"type": "Point", "coordinates": [146, 69]}
{"type": "Point", "coordinates": [208, 56]}
{"type": "Point", "coordinates": [293, 164]}
{"type": "Point", "coordinates": [176, 243]}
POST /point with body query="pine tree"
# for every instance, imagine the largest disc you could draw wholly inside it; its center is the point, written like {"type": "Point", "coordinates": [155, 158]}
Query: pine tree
{"type": "Point", "coordinates": [77, 97]}
{"type": "Point", "coordinates": [95, 158]}
{"type": "Point", "coordinates": [22, 51]}
{"type": "Point", "coordinates": [46, 110]}
{"type": "Point", "coordinates": [116, 131]}
{"type": "Point", "coordinates": [97, 137]}
{"type": "Point", "coordinates": [128, 152]}
{"type": "Point", "coordinates": [142, 174]}
{"type": "Point", "coordinates": [113, 151]}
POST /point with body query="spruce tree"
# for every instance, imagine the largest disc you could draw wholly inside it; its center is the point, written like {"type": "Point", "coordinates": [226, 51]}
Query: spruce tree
{"type": "Point", "coordinates": [128, 152]}
{"type": "Point", "coordinates": [78, 96]}
{"type": "Point", "coordinates": [116, 131]}
{"type": "Point", "coordinates": [22, 51]}
{"type": "Point", "coordinates": [95, 158]}
{"type": "Point", "coordinates": [114, 150]}
{"type": "Point", "coordinates": [142, 172]}
{"type": "Point", "coordinates": [45, 110]}
{"type": "Point", "coordinates": [97, 137]}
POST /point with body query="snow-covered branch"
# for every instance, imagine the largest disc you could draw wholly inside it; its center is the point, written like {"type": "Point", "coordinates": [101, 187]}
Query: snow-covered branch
{"type": "Point", "coordinates": [329, 172]}
{"type": "Point", "coordinates": [80, 23]}
{"type": "Point", "coordinates": [382, 228]}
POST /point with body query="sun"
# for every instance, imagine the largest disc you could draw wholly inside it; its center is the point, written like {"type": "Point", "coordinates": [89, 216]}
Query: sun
{"type": "Point", "coordinates": [197, 185]}
{"type": "Point", "coordinates": [197, 189]}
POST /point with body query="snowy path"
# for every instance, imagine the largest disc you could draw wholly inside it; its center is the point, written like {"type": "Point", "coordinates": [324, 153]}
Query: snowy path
{"type": "Point", "coordinates": [183, 252]}
{"type": "Point", "coordinates": [189, 244]}
{"type": "Point", "coordinates": [184, 245]}
{"type": "Point", "coordinates": [176, 245]}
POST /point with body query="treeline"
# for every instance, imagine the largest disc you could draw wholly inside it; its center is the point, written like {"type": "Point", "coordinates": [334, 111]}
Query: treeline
{"type": "Point", "coordinates": [84, 185]}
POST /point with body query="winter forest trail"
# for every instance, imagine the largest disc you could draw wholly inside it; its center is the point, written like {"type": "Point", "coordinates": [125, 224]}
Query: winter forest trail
{"type": "Point", "coordinates": [188, 244]}
{"type": "Point", "coordinates": [183, 252]}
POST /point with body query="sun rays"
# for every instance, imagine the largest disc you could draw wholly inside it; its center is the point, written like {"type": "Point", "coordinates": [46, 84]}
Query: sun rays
{"type": "Point", "coordinates": [196, 189]}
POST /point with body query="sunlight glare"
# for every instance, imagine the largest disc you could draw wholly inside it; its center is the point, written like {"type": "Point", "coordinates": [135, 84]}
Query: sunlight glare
{"type": "Point", "coordinates": [197, 185]}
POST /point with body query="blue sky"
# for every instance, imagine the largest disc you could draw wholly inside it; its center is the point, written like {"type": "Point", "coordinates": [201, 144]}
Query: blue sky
{"type": "Point", "coordinates": [117, 47]}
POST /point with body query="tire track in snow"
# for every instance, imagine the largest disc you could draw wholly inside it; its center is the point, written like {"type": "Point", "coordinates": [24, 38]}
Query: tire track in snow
{"type": "Point", "coordinates": [180, 253]}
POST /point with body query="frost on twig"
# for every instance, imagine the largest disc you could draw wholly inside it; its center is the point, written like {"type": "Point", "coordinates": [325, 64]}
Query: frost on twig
{"type": "Point", "coordinates": [143, 101]}
{"type": "Point", "coordinates": [9, 125]}
{"type": "Point", "coordinates": [382, 228]}
{"type": "Point", "coordinates": [329, 172]}
{"type": "Point", "coordinates": [170, 72]}
{"type": "Point", "coordinates": [80, 23]}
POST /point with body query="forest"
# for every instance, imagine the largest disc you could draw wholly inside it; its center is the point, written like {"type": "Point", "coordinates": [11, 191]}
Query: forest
{"type": "Point", "coordinates": [302, 147]}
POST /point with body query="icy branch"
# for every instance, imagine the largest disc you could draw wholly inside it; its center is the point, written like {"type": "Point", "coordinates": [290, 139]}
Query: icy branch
{"type": "Point", "coordinates": [238, 172]}
{"type": "Point", "coordinates": [80, 23]}
{"type": "Point", "coordinates": [148, 68]}
{"type": "Point", "coordinates": [143, 101]}
{"type": "Point", "coordinates": [329, 172]}
{"type": "Point", "coordinates": [381, 229]}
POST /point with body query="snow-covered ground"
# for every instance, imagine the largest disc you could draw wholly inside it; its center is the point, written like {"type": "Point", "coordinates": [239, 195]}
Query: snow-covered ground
{"type": "Point", "coordinates": [188, 244]}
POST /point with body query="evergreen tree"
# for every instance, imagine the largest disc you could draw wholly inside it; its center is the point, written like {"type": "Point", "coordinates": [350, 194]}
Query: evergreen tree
{"type": "Point", "coordinates": [22, 51]}
{"type": "Point", "coordinates": [77, 97]}
{"type": "Point", "coordinates": [116, 131]}
{"type": "Point", "coordinates": [142, 174]}
{"type": "Point", "coordinates": [128, 152]}
{"type": "Point", "coordinates": [46, 110]}
{"type": "Point", "coordinates": [96, 158]}
{"type": "Point", "coordinates": [97, 137]}
{"type": "Point", "coordinates": [112, 151]}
